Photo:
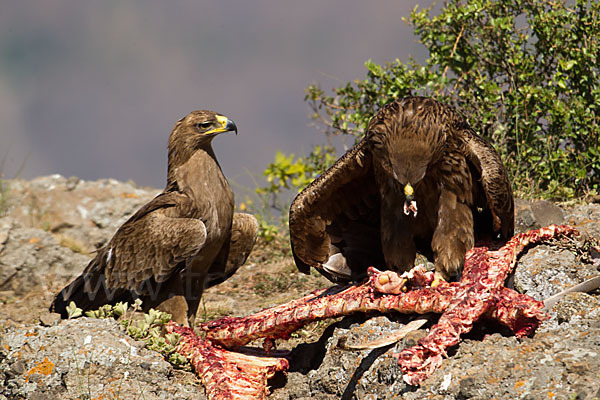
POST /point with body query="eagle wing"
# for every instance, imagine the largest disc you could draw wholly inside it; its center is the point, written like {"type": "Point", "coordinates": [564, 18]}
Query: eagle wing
{"type": "Point", "coordinates": [338, 213]}
{"type": "Point", "coordinates": [152, 244]}
{"type": "Point", "coordinates": [244, 230]}
{"type": "Point", "coordinates": [497, 191]}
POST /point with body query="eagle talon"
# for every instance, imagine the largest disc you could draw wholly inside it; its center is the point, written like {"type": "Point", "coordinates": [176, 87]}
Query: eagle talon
{"type": "Point", "coordinates": [402, 285]}
{"type": "Point", "coordinates": [438, 280]}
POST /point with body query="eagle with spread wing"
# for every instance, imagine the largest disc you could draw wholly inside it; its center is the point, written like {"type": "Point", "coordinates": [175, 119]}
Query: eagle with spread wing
{"type": "Point", "coordinates": [421, 180]}
{"type": "Point", "coordinates": [185, 239]}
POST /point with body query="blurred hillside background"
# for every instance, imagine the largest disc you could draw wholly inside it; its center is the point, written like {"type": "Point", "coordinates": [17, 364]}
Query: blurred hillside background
{"type": "Point", "coordinates": [92, 89]}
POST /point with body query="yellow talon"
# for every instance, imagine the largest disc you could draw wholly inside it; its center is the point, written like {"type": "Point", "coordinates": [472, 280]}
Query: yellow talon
{"type": "Point", "coordinates": [437, 280]}
{"type": "Point", "coordinates": [402, 284]}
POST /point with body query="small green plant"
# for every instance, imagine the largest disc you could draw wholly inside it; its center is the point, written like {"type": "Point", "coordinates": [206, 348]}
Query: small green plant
{"type": "Point", "coordinates": [289, 172]}
{"type": "Point", "coordinates": [148, 329]}
{"type": "Point", "coordinates": [73, 311]}
{"type": "Point", "coordinates": [285, 176]}
{"type": "Point", "coordinates": [106, 311]}
{"type": "Point", "coordinates": [267, 230]}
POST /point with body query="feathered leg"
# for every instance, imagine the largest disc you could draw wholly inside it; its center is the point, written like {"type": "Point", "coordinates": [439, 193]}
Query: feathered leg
{"type": "Point", "coordinates": [453, 235]}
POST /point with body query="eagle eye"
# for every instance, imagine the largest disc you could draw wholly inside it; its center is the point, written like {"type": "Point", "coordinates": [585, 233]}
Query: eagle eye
{"type": "Point", "coordinates": [204, 125]}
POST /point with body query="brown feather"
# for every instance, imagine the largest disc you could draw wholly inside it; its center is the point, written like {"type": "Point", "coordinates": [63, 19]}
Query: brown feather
{"type": "Point", "coordinates": [163, 253]}
{"type": "Point", "coordinates": [325, 213]}
{"type": "Point", "coordinates": [244, 232]}
{"type": "Point", "coordinates": [416, 141]}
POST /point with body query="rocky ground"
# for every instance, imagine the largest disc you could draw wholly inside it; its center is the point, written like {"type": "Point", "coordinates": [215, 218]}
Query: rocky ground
{"type": "Point", "coordinates": [49, 227]}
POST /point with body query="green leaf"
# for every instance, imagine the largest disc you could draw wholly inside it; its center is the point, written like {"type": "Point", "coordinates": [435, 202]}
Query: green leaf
{"type": "Point", "coordinates": [73, 311]}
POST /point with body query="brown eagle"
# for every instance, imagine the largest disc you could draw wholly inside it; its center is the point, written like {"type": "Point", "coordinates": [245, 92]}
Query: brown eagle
{"type": "Point", "coordinates": [185, 239]}
{"type": "Point", "coordinates": [421, 180]}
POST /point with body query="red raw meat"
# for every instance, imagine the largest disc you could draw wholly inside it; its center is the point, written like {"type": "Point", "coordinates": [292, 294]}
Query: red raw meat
{"type": "Point", "coordinates": [480, 292]}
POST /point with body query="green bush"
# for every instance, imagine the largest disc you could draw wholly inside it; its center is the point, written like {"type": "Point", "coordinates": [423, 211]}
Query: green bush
{"type": "Point", "coordinates": [523, 73]}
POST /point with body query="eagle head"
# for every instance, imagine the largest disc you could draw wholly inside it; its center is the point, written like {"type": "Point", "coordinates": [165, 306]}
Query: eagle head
{"type": "Point", "coordinates": [405, 138]}
{"type": "Point", "coordinates": [202, 125]}
{"type": "Point", "coordinates": [197, 129]}
{"type": "Point", "coordinates": [194, 132]}
{"type": "Point", "coordinates": [409, 166]}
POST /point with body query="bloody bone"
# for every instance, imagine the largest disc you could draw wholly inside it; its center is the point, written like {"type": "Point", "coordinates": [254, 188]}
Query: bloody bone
{"type": "Point", "coordinates": [272, 323]}
{"type": "Point", "coordinates": [484, 270]}
{"type": "Point", "coordinates": [480, 292]}
{"type": "Point", "coordinates": [280, 321]}
{"type": "Point", "coordinates": [516, 311]}
{"type": "Point", "coordinates": [226, 374]}
{"type": "Point", "coordinates": [482, 281]}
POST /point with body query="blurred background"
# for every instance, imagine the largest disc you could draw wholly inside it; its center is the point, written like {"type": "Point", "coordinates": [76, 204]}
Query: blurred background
{"type": "Point", "coordinates": [92, 89]}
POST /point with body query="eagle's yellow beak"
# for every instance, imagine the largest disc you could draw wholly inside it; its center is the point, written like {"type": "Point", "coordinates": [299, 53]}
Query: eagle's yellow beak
{"type": "Point", "coordinates": [227, 125]}
{"type": "Point", "coordinates": [409, 192]}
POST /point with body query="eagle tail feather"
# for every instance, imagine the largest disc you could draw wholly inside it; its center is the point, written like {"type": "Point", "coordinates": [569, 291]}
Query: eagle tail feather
{"type": "Point", "coordinates": [89, 292]}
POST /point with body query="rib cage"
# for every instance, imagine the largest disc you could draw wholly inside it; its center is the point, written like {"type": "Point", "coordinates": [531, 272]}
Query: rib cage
{"type": "Point", "coordinates": [480, 292]}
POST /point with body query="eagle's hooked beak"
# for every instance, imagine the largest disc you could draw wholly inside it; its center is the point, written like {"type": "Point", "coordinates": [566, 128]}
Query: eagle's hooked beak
{"type": "Point", "coordinates": [410, 205]}
{"type": "Point", "coordinates": [227, 125]}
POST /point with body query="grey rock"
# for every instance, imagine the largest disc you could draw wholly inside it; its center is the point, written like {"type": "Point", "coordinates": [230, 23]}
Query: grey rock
{"type": "Point", "coordinates": [536, 214]}
{"type": "Point", "coordinates": [87, 358]}
{"type": "Point", "coordinates": [545, 270]}
{"type": "Point", "coordinates": [87, 213]}
{"type": "Point", "coordinates": [586, 218]}
{"type": "Point", "coordinates": [348, 374]}
{"type": "Point", "coordinates": [32, 258]}
{"type": "Point", "coordinates": [5, 227]}
{"type": "Point", "coordinates": [49, 319]}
